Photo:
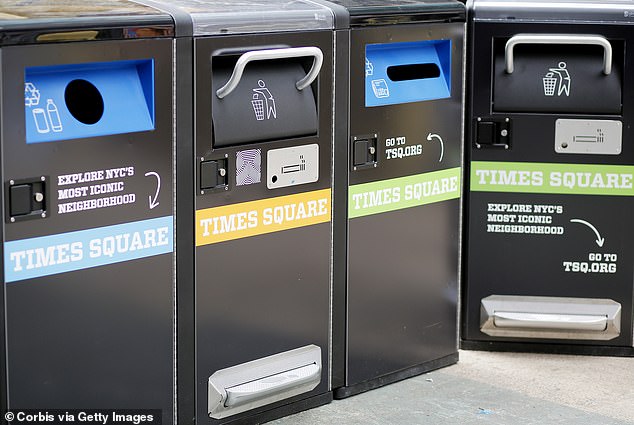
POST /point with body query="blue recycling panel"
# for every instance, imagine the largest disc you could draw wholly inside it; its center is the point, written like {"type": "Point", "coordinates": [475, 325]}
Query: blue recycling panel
{"type": "Point", "coordinates": [88, 100]}
{"type": "Point", "coordinates": [382, 90]}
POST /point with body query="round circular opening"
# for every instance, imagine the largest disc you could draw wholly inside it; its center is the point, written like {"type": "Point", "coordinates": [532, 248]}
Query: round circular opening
{"type": "Point", "coordinates": [274, 179]}
{"type": "Point", "coordinates": [84, 101]}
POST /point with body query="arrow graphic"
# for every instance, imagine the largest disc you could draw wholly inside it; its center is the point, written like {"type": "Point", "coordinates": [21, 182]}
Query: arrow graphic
{"type": "Point", "coordinates": [153, 202]}
{"type": "Point", "coordinates": [599, 240]}
{"type": "Point", "coordinates": [431, 137]}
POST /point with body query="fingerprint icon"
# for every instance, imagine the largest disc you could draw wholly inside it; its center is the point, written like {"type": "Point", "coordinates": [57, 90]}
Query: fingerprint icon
{"type": "Point", "coordinates": [248, 167]}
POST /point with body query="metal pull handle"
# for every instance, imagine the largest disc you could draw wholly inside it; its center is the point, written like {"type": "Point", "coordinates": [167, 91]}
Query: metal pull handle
{"type": "Point", "coordinates": [275, 384]}
{"type": "Point", "coordinates": [508, 319]}
{"type": "Point", "coordinates": [596, 40]}
{"type": "Point", "coordinates": [258, 55]}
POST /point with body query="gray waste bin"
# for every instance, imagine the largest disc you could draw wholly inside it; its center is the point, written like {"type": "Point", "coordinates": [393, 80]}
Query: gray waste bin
{"type": "Point", "coordinates": [397, 190]}
{"type": "Point", "coordinates": [254, 225]}
{"type": "Point", "coordinates": [87, 298]}
{"type": "Point", "coordinates": [548, 236]}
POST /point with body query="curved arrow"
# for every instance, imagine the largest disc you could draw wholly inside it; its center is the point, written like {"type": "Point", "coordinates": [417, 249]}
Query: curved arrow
{"type": "Point", "coordinates": [599, 240]}
{"type": "Point", "coordinates": [431, 137]}
{"type": "Point", "coordinates": [153, 202]}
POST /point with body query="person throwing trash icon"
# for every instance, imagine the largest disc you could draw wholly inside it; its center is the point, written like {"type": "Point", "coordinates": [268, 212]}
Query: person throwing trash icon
{"type": "Point", "coordinates": [562, 81]}
{"type": "Point", "coordinates": [262, 101]}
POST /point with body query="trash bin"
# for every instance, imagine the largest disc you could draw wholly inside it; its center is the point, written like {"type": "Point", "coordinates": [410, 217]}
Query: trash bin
{"type": "Point", "coordinates": [547, 235]}
{"type": "Point", "coordinates": [256, 315]}
{"type": "Point", "coordinates": [397, 190]}
{"type": "Point", "coordinates": [87, 300]}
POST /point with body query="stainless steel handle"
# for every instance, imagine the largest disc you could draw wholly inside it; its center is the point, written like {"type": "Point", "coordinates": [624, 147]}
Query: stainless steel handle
{"type": "Point", "coordinates": [259, 55]}
{"type": "Point", "coordinates": [271, 385]}
{"type": "Point", "coordinates": [559, 39]}
{"type": "Point", "coordinates": [581, 322]}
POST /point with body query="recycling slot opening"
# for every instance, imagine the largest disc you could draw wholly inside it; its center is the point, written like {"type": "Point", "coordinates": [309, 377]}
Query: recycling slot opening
{"type": "Point", "coordinates": [416, 71]}
{"type": "Point", "coordinates": [84, 101]}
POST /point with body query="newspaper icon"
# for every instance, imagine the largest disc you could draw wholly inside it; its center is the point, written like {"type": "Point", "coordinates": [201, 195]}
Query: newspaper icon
{"type": "Point", "coordinates": [380, 88]}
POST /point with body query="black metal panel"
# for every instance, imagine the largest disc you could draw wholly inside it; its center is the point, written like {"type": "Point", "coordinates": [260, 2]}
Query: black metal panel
{"type": "Point", "coordinates": [269, 293]}
{"type": "Point", "coordinates": [185, 243]}
{"type": "Point", "coordinates": [592, 91]}
{"type": "Point", "coordinates": [402, 290]}
{"type": "Point", "coordinates": [4, 398]}
{"type": "Point", "coordinates": [258, 297]}
{"type": "Point", "coordinates": [535, 264]}
{"type": "Point", "coordinates": [341, 163]}
{"type": "Point", "coordinates": [402, 264]}
{"type": "Point", "coordinates": [99, 337]}
{"type": "Point", "coordinates": [232, 123]}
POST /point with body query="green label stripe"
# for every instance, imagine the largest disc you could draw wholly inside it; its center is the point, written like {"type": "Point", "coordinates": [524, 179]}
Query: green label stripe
{"type": "Point", "coordinates": [403, 192]}
{"type": "Point", "coordinates": [564, 179]}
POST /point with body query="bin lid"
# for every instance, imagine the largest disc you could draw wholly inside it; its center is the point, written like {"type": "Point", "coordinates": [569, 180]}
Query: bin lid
{"type": "Point", "coordinates": [381, 12]}
{"type": "Point", "coordinates": [554, 10]}
{"type": "Point", "coordinates": [42, 21]}
{"type": "Point", "coordinates": [215, 17]}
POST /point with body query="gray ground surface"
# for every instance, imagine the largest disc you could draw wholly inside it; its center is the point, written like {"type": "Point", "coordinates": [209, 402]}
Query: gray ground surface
{"type": "Point", "coordinates": [495, 388]}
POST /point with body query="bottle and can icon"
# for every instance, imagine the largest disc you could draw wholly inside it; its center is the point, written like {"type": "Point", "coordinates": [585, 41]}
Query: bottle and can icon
{"type": "Point", "coordinates": [53, 116]}
{"type": "Point", "coordinates": [47, 117]}
{"type": "Point", "coordinates": [47, 120]}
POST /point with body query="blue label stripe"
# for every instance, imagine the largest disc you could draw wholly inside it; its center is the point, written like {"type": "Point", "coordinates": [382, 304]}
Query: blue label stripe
{"type": "Point", "coordinates": [66, 252]}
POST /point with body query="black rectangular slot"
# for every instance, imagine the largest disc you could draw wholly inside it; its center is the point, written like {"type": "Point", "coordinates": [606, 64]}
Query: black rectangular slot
{"type": "Point", "coordinates": [415, 71]}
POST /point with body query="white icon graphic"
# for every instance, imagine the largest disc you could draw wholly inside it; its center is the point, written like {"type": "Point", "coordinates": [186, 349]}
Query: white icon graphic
{"type": "Point", "coordinates": [263, 101]}
{"type": "Point", "coordinates": [46, 119]}
{"type": "Point", "coordinates": [53, 116]}
{"type": "Point", "coordinates": [41, 122]}
{"type": "Point", "coordinates": [295, 168]}
{"type": "Point", "coordinates": [31, 95]}
{"type": "Point", "coordinates": [599, 138]}
{"type": "Point", "coordinates": [432, 136]}
{"type": "Point", "coordinates": [557, 80]}
{"type": "Point", "coordinates": [380, 89]}
{"type": "Point", "coordinates": [153, 202]}
{"type": "Point", "coordinates": [599, 241]}
{"type": "Point", "coordinates": [369, 68]}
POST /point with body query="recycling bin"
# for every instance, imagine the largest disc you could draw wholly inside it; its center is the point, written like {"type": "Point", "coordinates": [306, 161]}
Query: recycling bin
{"type": "Point", "coordinates": [547, 235]}
{"type": "Point", "coordinates": [87, 305]}
{"type": "Point", "coordinates": [397, 190]}
{"type": "Point", "coordinates": [254, 319]}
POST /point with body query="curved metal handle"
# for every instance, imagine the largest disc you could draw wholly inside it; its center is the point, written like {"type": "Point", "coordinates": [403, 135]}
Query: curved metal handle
{"type": "Point", "coordinates": [258, 55]}
{"type": "Point", "coordinates": [559, 39]}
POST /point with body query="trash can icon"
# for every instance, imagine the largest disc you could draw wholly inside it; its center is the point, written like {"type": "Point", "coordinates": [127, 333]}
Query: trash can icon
{"type": "Point", "coordinates": [550, 84]}
{"type": "Point", "coordinates": [258, 107]}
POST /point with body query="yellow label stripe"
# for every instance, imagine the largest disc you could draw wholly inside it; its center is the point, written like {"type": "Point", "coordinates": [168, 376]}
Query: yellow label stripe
{"type": "Point", "coordinates": [253, 218]}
